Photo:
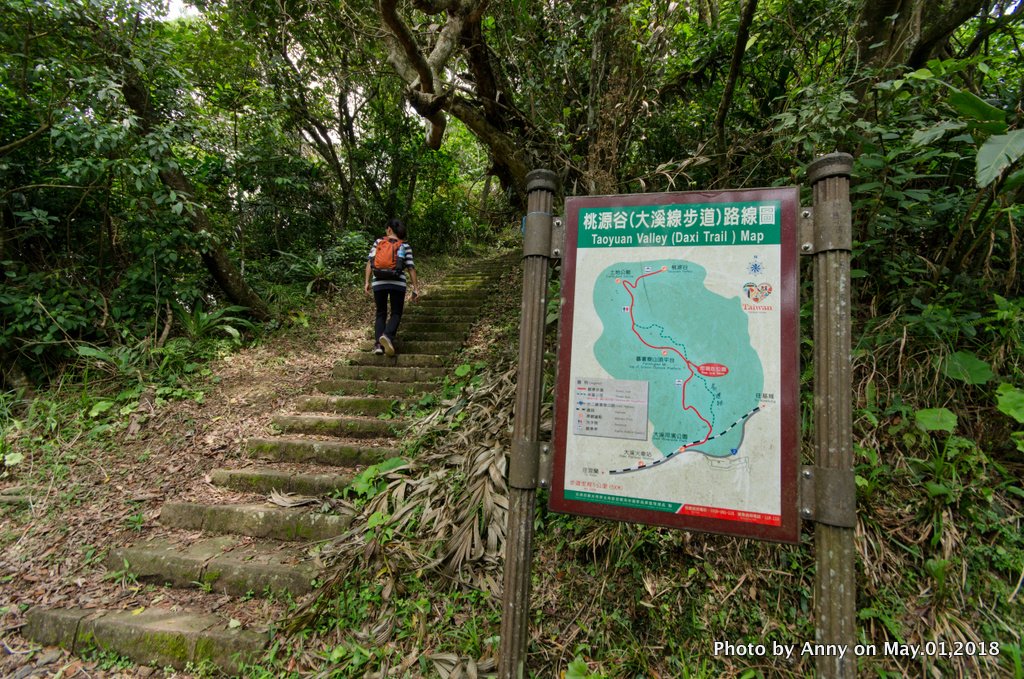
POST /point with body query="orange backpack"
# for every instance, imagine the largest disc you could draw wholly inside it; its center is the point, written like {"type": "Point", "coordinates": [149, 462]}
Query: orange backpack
{"type": "Point", "coordinates": [388, 261]}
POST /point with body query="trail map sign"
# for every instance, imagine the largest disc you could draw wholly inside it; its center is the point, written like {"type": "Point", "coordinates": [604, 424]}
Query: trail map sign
{"type": "Point", "coordinates": [677, 388]}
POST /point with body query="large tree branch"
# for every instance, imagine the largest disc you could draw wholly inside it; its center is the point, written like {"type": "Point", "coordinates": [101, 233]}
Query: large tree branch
{"type": "Point", "coordinates": [939, 22]}
{"type": "Point", "coordinates": [742, 35]}
{"type": "Point", "coordinates": [986, 30]}
{"type": "Point", "coordinates": [404, 45]}
{"type": "Point", "coordinates": [909, 32]}
{"type": "Point", "coordinates": [511, 159]}
{"type": "Point", "coordinates": [447, 41]}
{"type": "Point", "coordinates": [18, 143]}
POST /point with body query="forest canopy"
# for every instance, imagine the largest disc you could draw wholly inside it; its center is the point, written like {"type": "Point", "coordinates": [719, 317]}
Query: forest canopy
{"type": "Point", "coordinates": [154, 168]}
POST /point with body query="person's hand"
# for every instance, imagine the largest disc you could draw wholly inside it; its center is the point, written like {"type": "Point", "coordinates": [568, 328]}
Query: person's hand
{"type": "Point", "coordinates": [366, 287]}
{"type": "Point", "coordinates": [415, 295]}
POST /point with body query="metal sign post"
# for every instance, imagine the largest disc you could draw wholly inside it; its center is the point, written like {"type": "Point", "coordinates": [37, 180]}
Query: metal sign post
{"type": "Point", "coordinates": [524, 460]}
{"type": "Point", "coordinates": [834, 484]}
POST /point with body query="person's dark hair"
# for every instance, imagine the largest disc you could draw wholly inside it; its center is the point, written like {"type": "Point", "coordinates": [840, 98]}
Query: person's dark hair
{"type": "Point", "coordinates": [398, 227]}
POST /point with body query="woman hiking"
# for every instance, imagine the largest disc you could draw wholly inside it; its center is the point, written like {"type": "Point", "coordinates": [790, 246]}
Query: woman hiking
{"type": "Point", "coordinates": [387, 267]}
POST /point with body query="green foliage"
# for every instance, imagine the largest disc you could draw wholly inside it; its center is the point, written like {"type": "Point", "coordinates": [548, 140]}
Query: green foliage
{"type": "Point", "coordinates": [966, 367]}
{"type": "Point", "coordinates": [369, 482]}
{"type": "Point", "coordinates": [1011, 402]}
{"type": "Point", "coordinates": [198, 324]}
{"type": "Point", "coordinates": [998, 153]}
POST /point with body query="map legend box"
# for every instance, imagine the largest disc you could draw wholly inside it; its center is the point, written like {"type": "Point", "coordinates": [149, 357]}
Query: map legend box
{"type": "Point", "coordinates": [610, 408]}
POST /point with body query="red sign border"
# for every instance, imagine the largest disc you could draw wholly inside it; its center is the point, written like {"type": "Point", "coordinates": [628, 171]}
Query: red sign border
{"type": "Point", "coordinates": [789, 529]}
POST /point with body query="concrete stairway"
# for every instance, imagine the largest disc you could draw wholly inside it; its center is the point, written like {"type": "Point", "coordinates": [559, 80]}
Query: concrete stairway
{"type": "Point", "coordinates": [259, 549]}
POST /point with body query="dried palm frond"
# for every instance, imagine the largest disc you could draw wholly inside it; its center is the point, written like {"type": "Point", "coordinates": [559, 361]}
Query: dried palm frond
{"type": "Point", "coordinates": [290, 499]}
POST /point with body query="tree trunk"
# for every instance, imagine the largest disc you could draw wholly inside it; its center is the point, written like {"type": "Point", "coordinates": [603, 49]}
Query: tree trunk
{"type": "Point", "coordinates": [740, 47]}
{"type": "Point", "coordinates": [216, 259]}
{"type": "Point", "coordinates": [909, 32]}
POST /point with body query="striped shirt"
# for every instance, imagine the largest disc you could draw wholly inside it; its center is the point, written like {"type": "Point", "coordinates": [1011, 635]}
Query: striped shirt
{"type": "Point", "coordinates": [404, 252]}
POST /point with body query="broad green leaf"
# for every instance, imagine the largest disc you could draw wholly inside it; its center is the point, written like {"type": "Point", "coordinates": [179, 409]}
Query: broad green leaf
{"type": "Point", "coordinates": [988, 127]}
{"type": "Point", "coordinates": [966, 367]}
{"type": "Point", "coordinates": [935, 419]}
{"type": "Point", "coordinates": [998, 153]}
{"type": "Point", "coordinates": [933, 134]}
{"type": "Point", "coordinates": [1010, 401]}
{"type": "Point", "coordinates": [1014, 180]}
{"type": "Point", "coordinates": [93, 352]}
{"type": "Point", "coordinates": [100, 407]}
{"type": "Point", "coordinates": [578, 670]}
{"type": "Point", "coordinates": [975, 108]}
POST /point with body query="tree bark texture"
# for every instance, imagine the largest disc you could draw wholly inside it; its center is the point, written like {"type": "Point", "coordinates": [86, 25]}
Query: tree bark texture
{"type": "Point", "coordinates": [909, 32]}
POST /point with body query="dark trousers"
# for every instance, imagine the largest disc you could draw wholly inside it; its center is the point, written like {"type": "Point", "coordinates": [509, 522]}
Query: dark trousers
{"type": "Point", "coordinates": [382, 324]}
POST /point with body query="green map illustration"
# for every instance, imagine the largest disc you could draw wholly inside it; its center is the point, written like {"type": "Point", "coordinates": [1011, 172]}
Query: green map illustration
{"type": "Point", "coordinates": [662, 325]}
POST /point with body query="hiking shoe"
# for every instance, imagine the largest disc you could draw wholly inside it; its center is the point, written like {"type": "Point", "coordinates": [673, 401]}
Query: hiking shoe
{"type": "Point", "coordinates": [378, 349]}
{"type": "Point", "coordinates": [389, 348]}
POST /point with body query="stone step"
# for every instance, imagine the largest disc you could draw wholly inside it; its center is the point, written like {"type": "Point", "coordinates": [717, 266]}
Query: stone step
{"type": "Point", "coordinates": [438, 313]}
{"type": "Point", "coordinates": [362, 387]}
{"type": "Point", "coordinates": [332, 453]}
{"type": "Point", "coordinates": [428, 323]}
{"type": "Point", "coordinates": [352, 405]}
{"type": "Point", "coordinates": [223, 564]}
{"type": "Point", "coordinates": [401, 360]}
{"type": "Point", "coordinates": [437, 333]}
{"type": "Point", "coordinates": [338, 425]}
{"type": "Point", "coordinates": [416, 346]}
{"type": "Point", "coordinates": [154, 637]}
{"type": "Point", "coordinates": [16, 496]}
{"type": "Point", "coordinates": [388, 373]}
{"type": "Point", "coordinates": [255, 520]}
{"type": "Point", "coordinates": [443, 303]}
{"type": "Point", "coordinates": [264, 480]}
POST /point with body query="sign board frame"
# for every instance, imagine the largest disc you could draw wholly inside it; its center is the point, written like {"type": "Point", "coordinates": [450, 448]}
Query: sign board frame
{"type": "Point", "coordinates": [781, 527]}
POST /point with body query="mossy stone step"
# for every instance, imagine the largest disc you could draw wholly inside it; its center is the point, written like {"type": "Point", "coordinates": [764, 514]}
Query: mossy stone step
{"type": "Point", "coordinates": [338, 425]}
{"type": "Point", "coordinates": [440, 313]}
{"type": "Point", "coordinates": [392, 374]}
{"type": "Point", "coordinates": [352, 405]}
{"type": "Point", "coordinates": [155, 637]}
{"type": "Point", "coordinates": [415, 346]}
{"type": "Point", "coordinates": [332, 453]}
{"type": "Point", "coordinates": [401, 360]}
{"type": "Point", "coordinates": [266, 480]}
{"type": "Point", "coordinates": [379, 388]}
{"type": "Point", "coordinates": [223, 564]}
{"type": "Point", "coordinates": [258, 521]}
{"type": "Point", "coordinates": [461, 302]}
{"type": "Point", "coordinates": [435, 333]}
{"type": "Point", "coordinates": [416, 323]}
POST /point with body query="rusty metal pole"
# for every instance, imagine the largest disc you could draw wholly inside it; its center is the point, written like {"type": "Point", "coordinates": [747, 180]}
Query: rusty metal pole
{"type": "Point", "coordinates": [834, 587]}
{"type": "Point", "coordinates": [524, 460]}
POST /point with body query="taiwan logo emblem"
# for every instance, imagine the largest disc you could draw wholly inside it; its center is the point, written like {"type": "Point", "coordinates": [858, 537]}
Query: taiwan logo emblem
{"type": "Point", "coordinates": [757, 293]}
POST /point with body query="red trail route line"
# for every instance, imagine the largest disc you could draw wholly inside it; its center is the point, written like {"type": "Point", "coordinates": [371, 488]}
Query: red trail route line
{"type": "Point", "coordinates": [629, 287]}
